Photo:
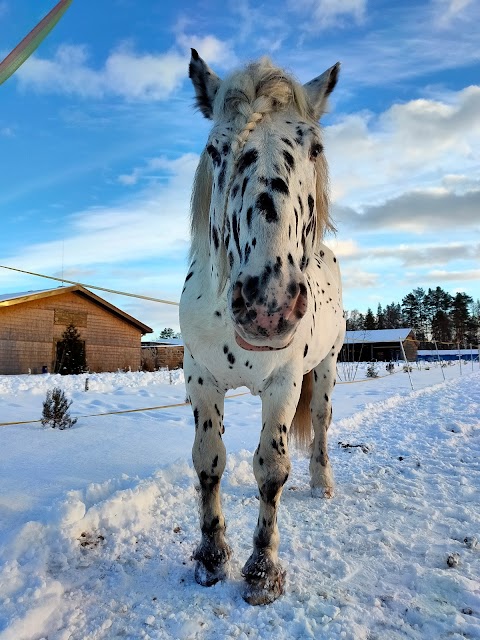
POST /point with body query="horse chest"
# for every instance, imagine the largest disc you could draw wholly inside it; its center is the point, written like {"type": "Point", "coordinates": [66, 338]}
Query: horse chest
{"type": "Point", "coordinates": [209, 334]}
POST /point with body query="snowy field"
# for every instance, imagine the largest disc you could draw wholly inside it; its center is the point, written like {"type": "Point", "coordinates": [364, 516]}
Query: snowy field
{"type": "Point", "coordinates": [98, 522]}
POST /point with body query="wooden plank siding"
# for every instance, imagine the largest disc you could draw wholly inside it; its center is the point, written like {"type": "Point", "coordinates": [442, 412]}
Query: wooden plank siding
{"type": "Point", "coordinates": [30, 330]}
{"type": "Point", "coordinates": [162, 357]}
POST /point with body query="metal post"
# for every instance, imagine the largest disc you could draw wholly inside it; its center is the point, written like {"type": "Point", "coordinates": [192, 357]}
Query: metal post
{"type": "Point", "coordinates": [438, 358]}
{"type": "Point", "coordinates": [406, 361]}
{"type": "Point", "coordinates": [459, 357]}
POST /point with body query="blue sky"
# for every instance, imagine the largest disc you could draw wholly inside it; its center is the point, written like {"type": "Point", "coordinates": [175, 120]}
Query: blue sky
{"type": "Point", "coordinates": [99, 139]}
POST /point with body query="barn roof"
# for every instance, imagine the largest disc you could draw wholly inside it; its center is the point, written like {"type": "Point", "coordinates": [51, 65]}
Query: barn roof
{"type": "Point", "coordinates": [376, 335]}
{"type": "Point", "coordinates": [10, 299]}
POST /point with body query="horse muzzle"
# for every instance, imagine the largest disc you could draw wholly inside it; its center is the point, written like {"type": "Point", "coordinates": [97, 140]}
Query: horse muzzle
{"type": "Point", "coordinates": [266, 321]}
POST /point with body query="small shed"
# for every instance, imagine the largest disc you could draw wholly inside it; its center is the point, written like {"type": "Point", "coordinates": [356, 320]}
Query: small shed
{"type": "Point", "coordinates": [448, 355]}
{"type": "Point", "coordinates": [32, 324]}
{"type": "Point", "coordinates": [163, 353]}
{"type": "Point", "coordinates": [379, 344]}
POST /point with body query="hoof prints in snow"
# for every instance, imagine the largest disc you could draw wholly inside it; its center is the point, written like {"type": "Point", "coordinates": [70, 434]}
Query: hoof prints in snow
{"type": "Point", "coordinates": [370, 564]}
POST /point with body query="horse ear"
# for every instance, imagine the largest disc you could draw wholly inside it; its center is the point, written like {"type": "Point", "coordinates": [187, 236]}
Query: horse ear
{"type": "Point", "coordinates": [205, 83]}
{"type": "Point", "coordinates": [320, 88]}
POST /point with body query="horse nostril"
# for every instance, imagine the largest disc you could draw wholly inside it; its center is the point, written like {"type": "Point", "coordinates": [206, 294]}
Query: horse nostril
{"type": "Point", "coordinates": [301, 302]}
{"type": "Point", "coordinates": [239, 304]}
{"type": "Point", "coordinates": [298, 300]}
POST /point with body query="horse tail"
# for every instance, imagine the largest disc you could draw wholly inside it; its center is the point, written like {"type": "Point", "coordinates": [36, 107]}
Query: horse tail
{"type": "Point", "coordinates": [301, 433]}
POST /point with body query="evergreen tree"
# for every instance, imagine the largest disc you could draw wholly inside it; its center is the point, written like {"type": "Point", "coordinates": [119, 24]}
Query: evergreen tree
{"type": "Point", "coordinates": [55, 410]}
{"type": "Point", "coordinates": [393, 316]}
{"type": "Point", "coordinates": [168, 332]}
{"type": "Point", "coordinates": [433, 315]}
{"type": "Point", "coordinates": [410, 311]}
{"type": "Point", "coordinates": [437, 307]}
{"type": "Point", "coordinates": [71, 353]}
{"type": "Point", "coordinates": [461, 319]}
{"type": "Point", "coordinates": [354, 320]}
{"type": "Point", "coordinates": [441, 329]}
{"type": "Point", "coordinates": [413, 311]}
{"type": "Point", "coordinates": [369, 323]}
{"type": "Point", "coordinates": [380, 318]}
{"type": "Point", "coordinates": [422, 328]}
{"type": "Point", "coordinates": [475, 323]}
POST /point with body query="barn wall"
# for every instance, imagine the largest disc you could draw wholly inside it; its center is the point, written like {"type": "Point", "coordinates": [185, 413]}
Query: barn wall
{"type": "Point", "coordinates": [411, 349]}
{"type": "Point", "coordinates": [164, 356]}
{"type": "Point", "coordinates": [26, 338]}
{"type": "Point", "coordinates": [29, 332]}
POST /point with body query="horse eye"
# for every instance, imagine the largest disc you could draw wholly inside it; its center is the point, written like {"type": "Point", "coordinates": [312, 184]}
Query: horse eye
{"type": "Point", "coordinates": [315, 150]}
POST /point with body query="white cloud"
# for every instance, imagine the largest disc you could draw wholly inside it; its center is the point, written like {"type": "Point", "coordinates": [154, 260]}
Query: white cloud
{"type": "Point", "coordinates": [214, 51]}
{"type": "Point", "coordinates": [152, 225]}
{"type": "Point", "coordinates": [428, 255]}
{"type": "Point", "coordinates": [416, 144]}
{"type": "Point", "coordinates": [125, 74]}
{"type": "Point", "coordinates": [343, 248]}
{"type": "Point", "coordinates": [455, 276]}
{"type": "Point", "coordinates": [447, 10]}
{"type": "Point", "coordinates": [354, 278]}
{"type": "Point", "coordinates": [322, 14]}
{"type": "Point", "coordinates": [415, 212]}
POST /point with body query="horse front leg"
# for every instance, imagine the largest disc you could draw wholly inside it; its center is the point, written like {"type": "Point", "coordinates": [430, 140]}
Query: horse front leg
{"type": "Point", "coordinates": [263, 573]}
{"type": "Point", "coordinates": [209, 458]}
{"type": "Point", "coordinates": [324, 378]}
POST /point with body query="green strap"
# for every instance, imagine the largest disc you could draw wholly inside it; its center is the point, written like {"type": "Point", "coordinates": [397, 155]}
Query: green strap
{"type": "Point", "coordinates": [28, 45]}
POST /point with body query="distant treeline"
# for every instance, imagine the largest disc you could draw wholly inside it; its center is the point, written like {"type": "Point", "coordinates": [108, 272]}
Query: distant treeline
{"type": "Point", "coordinates": [434, 315]}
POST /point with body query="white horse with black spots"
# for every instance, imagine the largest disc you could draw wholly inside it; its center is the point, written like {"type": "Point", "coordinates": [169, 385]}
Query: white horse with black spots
{"type": "Point", "coordinates": [261, 306]}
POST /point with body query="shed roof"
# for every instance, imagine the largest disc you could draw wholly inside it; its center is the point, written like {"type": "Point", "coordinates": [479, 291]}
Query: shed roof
{"type": "Point", "coordinates": [447, 352]}
{"type": "Point", "coordinates": [10, 299]}
{"type": "Point", "coordinates": [163, 342]}
{"type": "Point", "coordinates": [376, 335]}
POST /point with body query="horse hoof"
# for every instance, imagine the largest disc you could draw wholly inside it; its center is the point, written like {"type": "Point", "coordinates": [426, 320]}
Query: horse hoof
{"type": "Point", "coordinates": [212, 563]}
{"type": "Point", "coordinates": [266, 589]}
{"type": "Point", "coordinates": [323, 492]}
{"type": "Point", "coordinates": [208, 577]}
{"type": "Point", "coordinates": [265, 580]}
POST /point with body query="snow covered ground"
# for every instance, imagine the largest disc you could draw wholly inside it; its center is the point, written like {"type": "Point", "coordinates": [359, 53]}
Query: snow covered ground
{"type": "Point", "coordinates": [98, 522]}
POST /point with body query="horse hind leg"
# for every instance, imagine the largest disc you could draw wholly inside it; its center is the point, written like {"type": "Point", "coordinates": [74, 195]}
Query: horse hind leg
{"type": "Point", "coordinates": [321, 474]}
{"type": "Point", "coordinates": [209, 459]}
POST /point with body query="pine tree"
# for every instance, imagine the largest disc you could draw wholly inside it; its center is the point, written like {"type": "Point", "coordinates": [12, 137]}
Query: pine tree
{"type": "Point", "coordinates": [460, 317]}
{"type": "Point", "coordinates": [393, 316]}
{"type": "Point", "coordinates": [380, 317]}
{"type": "Point", "coordinates": [354, 320]}
{"type": "Point", "coordinates": [55, 410]}
{"type": "Point", "coordinates": [369, 323]}
{"type": "Point", "coordinates": [168, 332]}
{"type": "Point", "coordinates": [372, 371]}
{"type": "Point", "coordinates": [441, 329]}
{"type": "Point", "coordinates": [71, 353]}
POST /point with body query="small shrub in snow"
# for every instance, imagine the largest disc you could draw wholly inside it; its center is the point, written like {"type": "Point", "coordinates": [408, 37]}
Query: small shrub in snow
{"type": "Point", "coordinates": [55, 410]}
{"type": "Point", "coordinates": [372, 371]}
{"type": "Point", "coordinates": [453, 560]}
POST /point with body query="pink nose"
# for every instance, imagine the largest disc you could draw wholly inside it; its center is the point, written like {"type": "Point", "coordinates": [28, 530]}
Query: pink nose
{"type": "Point", "coordinates": [268, 314]}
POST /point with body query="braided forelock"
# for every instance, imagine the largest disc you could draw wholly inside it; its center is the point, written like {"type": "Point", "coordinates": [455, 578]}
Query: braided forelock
{"type": "Point", "coordinates": [245, 99]}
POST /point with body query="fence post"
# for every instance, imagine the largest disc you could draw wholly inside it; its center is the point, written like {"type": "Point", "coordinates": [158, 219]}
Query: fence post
{"type": "Point", "coordinates": [438, 358]}
{"type": "Point", "coordinates": [406, 361]}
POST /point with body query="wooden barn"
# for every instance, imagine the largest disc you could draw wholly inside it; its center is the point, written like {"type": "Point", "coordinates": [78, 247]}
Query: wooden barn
{"type": "Point", "coordinates": [32, 325]}
{"type": "Point", "coordinates": [381, 345]}
{"type": "Point", "coordinates": [162, 354]}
